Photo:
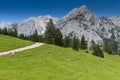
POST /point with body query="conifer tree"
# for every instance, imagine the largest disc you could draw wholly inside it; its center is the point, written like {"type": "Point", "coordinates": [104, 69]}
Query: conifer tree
{"type": "Point", "coordinates": [58, 37]}
{"type": "Point", "coordinates": [0, 31]}
{"type": "Point", "coordinates": [10, 32]}
{"type": "Point", "coordinates": [75, 43]}
{"type": "Point", "coordinates": [67, 41]}
{"type": "Point", "coordinates": [93, 44]}
{"type": "Point", "coordinates": [78, 42]}
{"type": "Point", "coordinates": [5, 32]}
{"type": "Point", "coordinates": [98, 51]}
{"type": "Point", "coordinates": [21, 36]}
{"type": "Point", "coordinates": [15, 31]}
{"type": "Point", "coordinates": [110, 46]}
{"type": "Point", "coordinates": [41, 38]}
{"type": "Point", "coordinates": [34, 36]}
{"type": "Point", "coordinates": [50, 33]}
{"type": "Point", "coordinates": [83, 43]}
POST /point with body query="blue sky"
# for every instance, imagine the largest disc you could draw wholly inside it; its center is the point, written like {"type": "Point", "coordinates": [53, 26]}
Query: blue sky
{"type": "Point", "coordinates": [18, 10]}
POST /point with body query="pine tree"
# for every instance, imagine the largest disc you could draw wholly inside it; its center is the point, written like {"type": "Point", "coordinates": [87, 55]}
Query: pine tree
{"type": "Point", "coordinates": [110, 46]}
{"type": "Point", "coordinates": [0, 31]}
{"type": "Point", "coordinates": [50, 33]}
{"type": "Point", "coordinates": [58, 38]}
{"type": "Point", "coordinates": [34, 36]}
{"type": "Point", "coordinates": [67, 41]}
{"type": "Point", "coordinates": [93, 44]}
{"type": "Point", "coordinates": [41, 38]}
{"type": "Point", "coordinates": [75, 43]}
{"type": "Point", "coordinates": [5, 32]}
{"type": "Point", "coordinates": [10, 32]}
{"type": "Point", "coordinates": [97, 51]}
{"type": "Point", "coordinates": [83, 43]}
{"type": "Point", "coordinates": [15, 31]}
{"type": "Point", "coordinates": [21, 36]}
{"type": "Point", "coordinates": [78, 42]}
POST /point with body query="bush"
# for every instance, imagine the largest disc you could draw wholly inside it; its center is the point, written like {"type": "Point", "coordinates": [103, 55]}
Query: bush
{"type": "Point", "coordinates": [97, 51]}
{"type": "Point", "coordinates": [86, 51]}
{"type": "Point", "coordinates": [110, 52]}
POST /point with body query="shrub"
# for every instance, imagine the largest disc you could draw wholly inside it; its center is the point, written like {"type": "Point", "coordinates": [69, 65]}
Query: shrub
{"type": "Point", "coordinates": [87, 51]}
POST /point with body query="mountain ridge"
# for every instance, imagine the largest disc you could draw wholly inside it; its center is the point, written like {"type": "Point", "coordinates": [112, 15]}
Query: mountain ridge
{"type": "Point", "coordinates": [80, 21]}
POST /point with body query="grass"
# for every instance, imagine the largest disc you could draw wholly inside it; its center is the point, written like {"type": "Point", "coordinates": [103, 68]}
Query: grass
{"type": "Point", "coordinates": [8, 43]}
{"type": "Point", "coordinates": [50, 62]}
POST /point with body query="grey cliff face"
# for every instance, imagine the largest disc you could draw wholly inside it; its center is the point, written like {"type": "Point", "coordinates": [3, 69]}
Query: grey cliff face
{"type": "Point", "coordinates": [82, 21]}
{"type": "Point", "coordinates": [28, 26]}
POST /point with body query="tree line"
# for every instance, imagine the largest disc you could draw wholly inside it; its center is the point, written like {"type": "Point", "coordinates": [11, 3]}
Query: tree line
{"type": "Point", "coordinates": [13, 32]}
{"type": "Point", "coordinates": [54, 36]}
{"type": "Point", "coordinates": [10, 31]}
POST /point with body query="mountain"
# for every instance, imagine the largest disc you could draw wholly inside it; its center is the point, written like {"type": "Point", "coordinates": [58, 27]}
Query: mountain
{"type": "Point", "coordinates": [78, 22]}
{"type": "Point", "coordinates": [28, 26]}
{"type": "Point", "coordinates": [82, 21]}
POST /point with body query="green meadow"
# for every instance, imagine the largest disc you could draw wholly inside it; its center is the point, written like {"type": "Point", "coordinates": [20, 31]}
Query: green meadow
{"type": "Point", "coordinates": [50, 62]}
{"type": "Point", "coordinates": [8, 43]}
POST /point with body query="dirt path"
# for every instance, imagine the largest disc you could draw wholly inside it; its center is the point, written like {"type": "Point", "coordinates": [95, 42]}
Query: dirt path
{"type": "Point", "coordinates": [21, 49]}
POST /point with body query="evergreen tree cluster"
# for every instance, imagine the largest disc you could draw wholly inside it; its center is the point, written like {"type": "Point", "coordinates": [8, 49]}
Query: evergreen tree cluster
{"type": "Point", "coordinates": [67, 41]}
{"type": "Point", "coordinates": [75, 43]}
{"type": "Point", "coordinates": [53, 35]}
{"type": "Point", "coordinates": [83, 43]}
{"type": "Point", "coordinates": [110, 46]}
{"type": "Point", "coordinates": [97, 51]}
{"type": "Point", "coordinates": [10, 31]}
{"type": "Point", "coordinates": [13, 32]}
{"type": "Point", "coordinates": [34, 37]}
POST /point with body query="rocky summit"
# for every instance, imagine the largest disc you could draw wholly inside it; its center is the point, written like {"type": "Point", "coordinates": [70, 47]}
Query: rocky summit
{"type": "Point", "coordinates": [82, 21]}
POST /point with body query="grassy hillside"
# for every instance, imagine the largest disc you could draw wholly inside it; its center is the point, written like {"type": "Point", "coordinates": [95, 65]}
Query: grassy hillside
{"type": "Point", "coordinates": [50, 62]}
{"type": "Point", "coordinates": [8, 43]}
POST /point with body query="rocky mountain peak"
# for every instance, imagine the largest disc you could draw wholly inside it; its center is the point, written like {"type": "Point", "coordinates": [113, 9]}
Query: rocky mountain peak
{"type": "Point", "coordinates": [84, 7]}
{"type": "Point", "coordinates": [83, 10]}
